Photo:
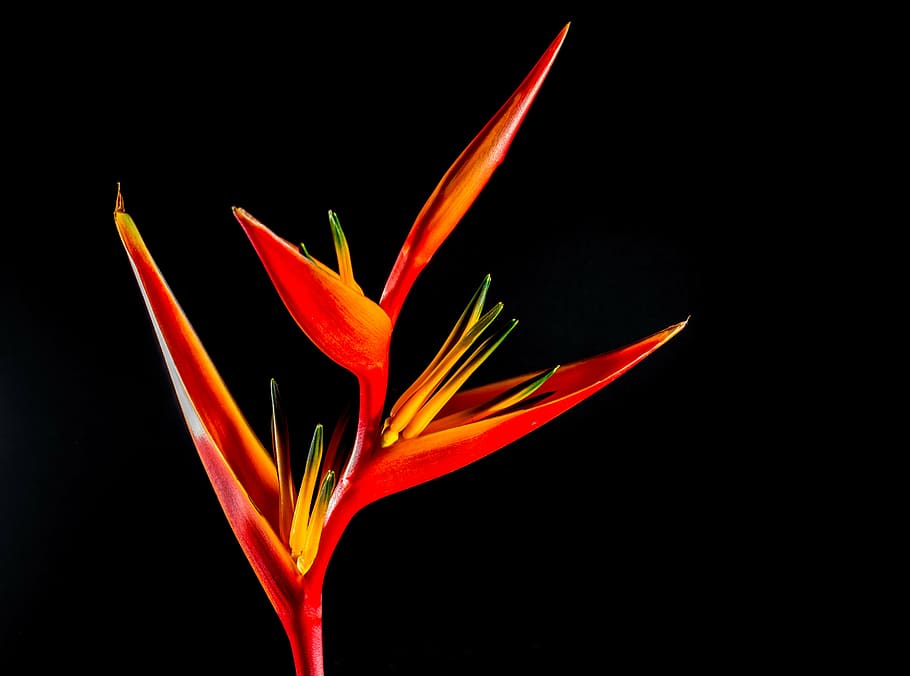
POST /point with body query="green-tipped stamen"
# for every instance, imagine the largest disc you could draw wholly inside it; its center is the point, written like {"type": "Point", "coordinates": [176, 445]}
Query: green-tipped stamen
{"type": "Point", "coordinates": [314, 526]}
{"type": "Point", "coordinates": [468, 319]}
{"type": "Point", "coordinates": [503, 401]}
{"type": "Point", "coordinates": [318, 263]}
{"type": "Point", "coordinates": [429, 410]}
{"type": "Point", "coordinates": [342, 251]}
{"type": "Point", "coordinates": [298, 533]}
{"type": "Point", "coordinates": [406, 411]}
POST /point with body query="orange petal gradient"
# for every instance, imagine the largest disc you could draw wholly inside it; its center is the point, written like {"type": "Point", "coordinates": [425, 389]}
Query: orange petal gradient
{"type": "Point", "coordinates": [462, 183]}
{"type": "Point", "coordinates": [345, 325]}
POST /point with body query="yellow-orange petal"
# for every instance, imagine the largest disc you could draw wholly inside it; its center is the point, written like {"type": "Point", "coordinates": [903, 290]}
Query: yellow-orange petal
{"type": "Point", "coordinates": [446, 391]}
{"type": "Point", "coordinates": [343, 253]}
{"type": "Point", "coordinates": [469, 317]}
{"type": "Point", "coordinates": [404, 411]}
{"type": "Point", "coordinates": [462, 183]}
{"type": "Point", "coordinates": [316, 522]}
{"type": "Point", "coordinates": [302, 509]}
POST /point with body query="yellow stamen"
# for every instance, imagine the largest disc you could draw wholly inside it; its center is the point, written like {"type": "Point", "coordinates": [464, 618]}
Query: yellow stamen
{"type": "Point", "coordinates": [500, 403]}
{"type": "Point", "coordinates": [345, 268]}
{"type": "Point", "coordinates": [299, 527]}
{"type": "Point", "coordinates": [430, 381]}
{"type": "Point", "coordinates": [514, 396]}
{"type": "Point", "coordinates": [342, 251]}
{"type": "Point", "coordinates": [468, 318]}
{"type": "Point", "coordinates": [454, 383]}
{"type": "Point", "coordinates": [314, 527]}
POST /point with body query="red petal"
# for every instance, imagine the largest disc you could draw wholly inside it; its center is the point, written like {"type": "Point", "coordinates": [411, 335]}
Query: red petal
{"type": "Point", "coordinates": [347, 326]}
{"type": "Point", "coordinates": [193, 373]}
{"type": "Point", "coordinates": [239, 468]}
{"type": "Point", "coordinates": [442, 450]}
{"type": "Point", "coordinates": [462, 183]}
{"type": "Point", "coordinates": [267, 555]}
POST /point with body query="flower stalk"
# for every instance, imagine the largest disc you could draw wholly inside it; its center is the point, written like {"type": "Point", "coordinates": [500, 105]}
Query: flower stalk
{"type": "Point", "coordinates": [289, 532]}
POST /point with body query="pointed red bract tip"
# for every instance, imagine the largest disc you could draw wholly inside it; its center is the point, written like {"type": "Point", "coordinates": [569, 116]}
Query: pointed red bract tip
{"type": "Point", "coordinates": [462, 183]}
{"type": "Point", "coordinates": [345, 325]}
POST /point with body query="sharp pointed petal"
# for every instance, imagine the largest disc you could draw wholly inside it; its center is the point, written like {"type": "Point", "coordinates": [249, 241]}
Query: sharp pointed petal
{"type": "Point", "coordinates": [440, 450]}
{"type": "Point", "coordinates": [239, 468]}
{"type": "Point", "coordinates": [463, 182]}
{"type": "Point", "coordinates": [208, 404]}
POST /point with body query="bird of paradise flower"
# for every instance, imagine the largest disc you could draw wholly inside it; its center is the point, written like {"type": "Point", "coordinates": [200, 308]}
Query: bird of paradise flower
{"type": "Point", "coordinates": [288, 532]}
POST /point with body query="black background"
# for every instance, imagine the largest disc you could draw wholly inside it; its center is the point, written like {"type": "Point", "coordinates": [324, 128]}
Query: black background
{"type": "Point", "coordinates": [617, 536]}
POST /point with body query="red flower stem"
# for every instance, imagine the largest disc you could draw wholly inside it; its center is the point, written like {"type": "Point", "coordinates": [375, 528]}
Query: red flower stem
{"type": "Point", "coordinates": [304, 627]}
{"type": "Point", "coordinates": [372, 386]}
{"type": "Point", "coordinates": [304, 630]}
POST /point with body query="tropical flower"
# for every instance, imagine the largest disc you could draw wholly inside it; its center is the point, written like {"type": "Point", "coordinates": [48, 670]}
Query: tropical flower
{"type": "Point", "coordinates": [289, 532]}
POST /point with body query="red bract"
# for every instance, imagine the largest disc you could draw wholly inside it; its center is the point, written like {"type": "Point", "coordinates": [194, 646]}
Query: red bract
{"type": "Point", "coordinates": [288, 533]}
